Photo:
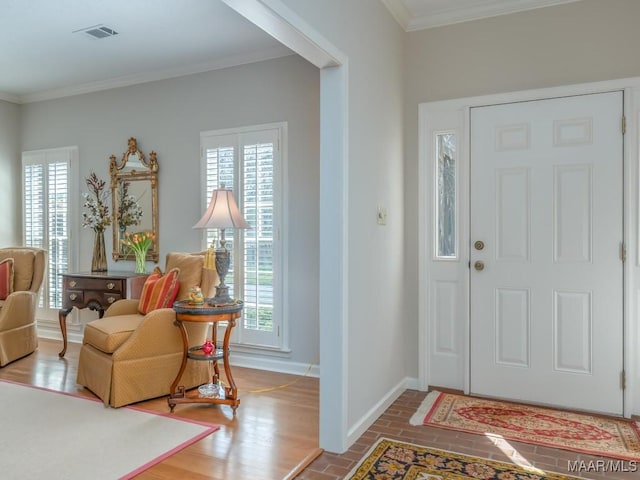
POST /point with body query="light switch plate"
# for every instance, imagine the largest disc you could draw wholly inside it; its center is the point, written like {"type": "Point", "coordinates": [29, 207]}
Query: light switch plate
{"type": "Point", "coordinates": [382, 216]}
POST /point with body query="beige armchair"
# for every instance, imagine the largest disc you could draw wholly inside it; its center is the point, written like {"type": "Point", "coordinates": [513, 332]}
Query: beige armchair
{"type": "Point", "coordinates": [18, 333]}
{"type": "Point", "coordinates": [127, 357]}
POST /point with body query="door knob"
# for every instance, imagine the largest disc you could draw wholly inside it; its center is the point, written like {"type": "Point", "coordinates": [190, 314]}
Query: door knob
{"type": "Point", "coordinates": [479, 245]}
{"type": "Point", "coordinates": [479, 266]}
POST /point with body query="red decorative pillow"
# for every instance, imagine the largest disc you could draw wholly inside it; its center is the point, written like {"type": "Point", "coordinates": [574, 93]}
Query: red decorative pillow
{"type": "Point", "coordinates": [159, 291]}
{"type": "Point", "coordinates": [6, 278]}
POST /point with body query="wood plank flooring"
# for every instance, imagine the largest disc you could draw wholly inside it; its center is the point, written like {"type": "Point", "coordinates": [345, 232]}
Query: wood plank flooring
{"type": "Point", "coordinates": [271, 433]}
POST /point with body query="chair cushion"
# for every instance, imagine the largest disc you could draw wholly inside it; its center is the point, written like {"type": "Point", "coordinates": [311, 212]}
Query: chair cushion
{"type": "Point", "coordinates": [107, 334]}
{"type": "Point", "coordinates": [190, 266]}
{"type": "Point", "coordinates": [6, 278]}
{"type": "Point", "coordinates": [159, 291]}
{"type": "Point", "coordinates": [23, 266]}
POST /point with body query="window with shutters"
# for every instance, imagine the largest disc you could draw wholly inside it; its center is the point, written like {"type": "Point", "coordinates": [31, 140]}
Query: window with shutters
{"type": "Point", "coordinates": [48, 216]}
{"type": "Point", "coordinates": [250, 162]}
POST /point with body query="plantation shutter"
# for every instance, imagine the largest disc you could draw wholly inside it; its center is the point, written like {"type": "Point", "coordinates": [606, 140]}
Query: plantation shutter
{"type": "Point", "coordinates": [248, 162]}
{"type": "Point", "coordinates": [258, 241]}
{"type": "Point", "coordinates": [46, 215]}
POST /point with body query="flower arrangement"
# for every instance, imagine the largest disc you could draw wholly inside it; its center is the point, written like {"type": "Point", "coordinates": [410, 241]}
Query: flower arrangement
{"type": "Point", "coordinates": [97, 215]}
{"type": "Point", "coordinates": [129, 211]}
{"type": "Point", "coordinates": [138, 244]}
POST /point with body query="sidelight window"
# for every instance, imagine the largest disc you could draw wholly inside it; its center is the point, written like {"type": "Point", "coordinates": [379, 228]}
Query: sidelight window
{"type": "Point", "coordinates": [445, 192]}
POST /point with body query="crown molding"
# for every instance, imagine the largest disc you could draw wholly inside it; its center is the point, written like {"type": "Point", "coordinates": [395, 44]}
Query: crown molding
{"type": "Point", "coordinates": [135, 79]}
{"type": "Point", "coordinates": [455, 15]}
{"type": "Point", "coordinates": [7, 97]}
{"type": "Point", "coordinates": [400, 12]}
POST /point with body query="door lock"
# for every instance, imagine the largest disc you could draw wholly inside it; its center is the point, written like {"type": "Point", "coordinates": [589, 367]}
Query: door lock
{"type": "Point", "coordinates": [479, 245]}
{"type": "Point", "coordinates": [479, 266]}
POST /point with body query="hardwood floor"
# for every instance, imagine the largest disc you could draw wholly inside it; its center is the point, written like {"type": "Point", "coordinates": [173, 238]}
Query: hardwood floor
{"type": "Point", "coordinates": [394, 423]}
{"type": "Point", "coordinates": [271, 433]}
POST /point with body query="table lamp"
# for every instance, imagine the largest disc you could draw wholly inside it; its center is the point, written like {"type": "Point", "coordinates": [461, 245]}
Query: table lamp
{"type": "Point", "coordinates": [222, 213]}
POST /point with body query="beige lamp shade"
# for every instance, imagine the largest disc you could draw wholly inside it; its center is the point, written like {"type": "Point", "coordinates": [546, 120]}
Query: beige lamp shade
{"type": "Point", "coordinates": [223, 212]}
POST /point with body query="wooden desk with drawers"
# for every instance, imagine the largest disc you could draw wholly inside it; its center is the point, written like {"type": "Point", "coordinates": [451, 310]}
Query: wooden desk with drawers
{"type": "Point", "coordinates": [95, 291]}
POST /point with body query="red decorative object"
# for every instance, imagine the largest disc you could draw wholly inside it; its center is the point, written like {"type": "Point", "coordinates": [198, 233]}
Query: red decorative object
{"type": "Point", "coordinates": [6, 278]}
{"type": "Point", "coordinates": [208, 348]}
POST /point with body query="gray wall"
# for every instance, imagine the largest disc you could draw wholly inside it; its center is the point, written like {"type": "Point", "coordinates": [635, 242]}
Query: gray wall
{"type": "Point", "coordinates": [167, 116]}
{"type": "Point", "coordinates": [586, 41]}
{"type": "Point", "coordinates": [373, 298]}
{"type": "Point", "coordinates": [10, 176]}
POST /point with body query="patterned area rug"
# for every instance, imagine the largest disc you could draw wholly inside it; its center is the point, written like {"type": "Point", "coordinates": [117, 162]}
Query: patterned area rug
{"type": "Point", "coordinates": [603, 436]}
{"type": "Point", "coordinates": [393, 460]}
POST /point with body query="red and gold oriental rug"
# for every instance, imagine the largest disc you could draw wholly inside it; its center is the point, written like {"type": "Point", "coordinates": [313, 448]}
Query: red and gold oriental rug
{"type": "Point", "coordinates": [393, 460]}
{"type": "Point", "coordinates": [595, 435]}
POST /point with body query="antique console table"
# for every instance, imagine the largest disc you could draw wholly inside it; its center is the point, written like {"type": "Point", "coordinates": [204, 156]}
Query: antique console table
{"type": "Point", "coordinates": [186, 312]}
{"type": "Point", "coordinates": [95, 291]}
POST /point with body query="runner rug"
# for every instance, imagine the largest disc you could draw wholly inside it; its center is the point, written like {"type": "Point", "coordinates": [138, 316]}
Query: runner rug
{"type": "Point", "coordinates": [595, 435]}
{"type": "Point", "coordinates": [393, 460]}
{"type": "Point", "coordinates": [52, 435]}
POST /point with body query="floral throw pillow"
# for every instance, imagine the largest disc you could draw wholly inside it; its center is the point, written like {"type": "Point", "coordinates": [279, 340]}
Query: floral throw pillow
{"type": "Point", "coordinates": [159, 291]}
{"type": "Point", "coordinates": [6, 278]}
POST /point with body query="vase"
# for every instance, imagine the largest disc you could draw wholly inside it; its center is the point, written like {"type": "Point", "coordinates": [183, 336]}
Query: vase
{"type": "Point", "coordinates": [141, 263]}
{"type": "Point", "coordinates": [99, 260]}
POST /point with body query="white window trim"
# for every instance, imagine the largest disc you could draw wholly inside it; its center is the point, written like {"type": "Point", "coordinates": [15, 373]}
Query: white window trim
{"type": "Point", "coordinates": [281, 201]}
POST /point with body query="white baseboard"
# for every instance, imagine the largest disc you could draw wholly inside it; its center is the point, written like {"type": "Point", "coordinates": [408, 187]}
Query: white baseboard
{"type": "Point", "coordinates": [412, 383]}
{"type": "Point", "coordinates": [264, 362]}
{"type": "Point", "coordinates": [51, 330]}
{"type": "Point", "coordinates": [378, 409]}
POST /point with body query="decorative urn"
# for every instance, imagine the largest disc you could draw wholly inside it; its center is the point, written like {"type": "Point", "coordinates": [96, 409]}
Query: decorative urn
{"type": "Point", "coordinates": [208, 347]}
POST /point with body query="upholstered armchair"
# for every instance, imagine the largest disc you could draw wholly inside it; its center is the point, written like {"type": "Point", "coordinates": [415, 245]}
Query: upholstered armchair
{"type": "Point", "coordinates": [128, 357]}
{"type": "Point", "coordinates": [21, 285]}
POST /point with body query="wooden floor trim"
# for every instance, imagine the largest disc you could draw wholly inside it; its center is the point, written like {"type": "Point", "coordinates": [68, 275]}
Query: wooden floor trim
{"type": "Point", "coordinates": [306, 461]}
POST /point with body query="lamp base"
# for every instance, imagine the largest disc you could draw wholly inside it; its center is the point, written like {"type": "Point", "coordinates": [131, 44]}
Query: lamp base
{"type": "Point", "coordinates": [222, 296]}
{"type": "Point", "coordinates": [222, 261]}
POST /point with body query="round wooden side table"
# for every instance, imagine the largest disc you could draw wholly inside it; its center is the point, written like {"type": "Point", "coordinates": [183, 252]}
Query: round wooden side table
{"type": "Point", "coordinates": [214, 314]}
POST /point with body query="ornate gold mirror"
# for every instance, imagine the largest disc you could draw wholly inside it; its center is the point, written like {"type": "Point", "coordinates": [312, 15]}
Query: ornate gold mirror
{"type": "Point", "coordinates": [134, 190]}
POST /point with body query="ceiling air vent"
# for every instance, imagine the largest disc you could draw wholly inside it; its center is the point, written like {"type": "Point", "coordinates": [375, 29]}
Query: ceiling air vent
{"type": "Point", "coordinates": [98, 31]}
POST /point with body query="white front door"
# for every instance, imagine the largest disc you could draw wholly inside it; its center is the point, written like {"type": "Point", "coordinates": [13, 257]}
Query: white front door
{"type": "Point", "coordinates": [546, 190]}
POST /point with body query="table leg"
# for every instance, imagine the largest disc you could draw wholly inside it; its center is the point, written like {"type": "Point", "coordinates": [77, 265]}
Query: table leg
{"type": "Point", "coordinates": [232, 391]}
{"type": "Point", "coordinates": [62, 318]}
{"type": "Point", "coordinates": [214, 339]}
{"type": "Point", "coordinates": [174, 386]}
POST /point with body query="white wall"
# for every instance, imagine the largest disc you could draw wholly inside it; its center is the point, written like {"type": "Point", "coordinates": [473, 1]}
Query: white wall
{"type": "Point", "coordinates": [581, 42]}
{"type": "Point", "coordinates": [10, 176]}
{"type": "Point", "coordinates": [375, 322]}
{"type": "Point", "coordinates": [167, 116]}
